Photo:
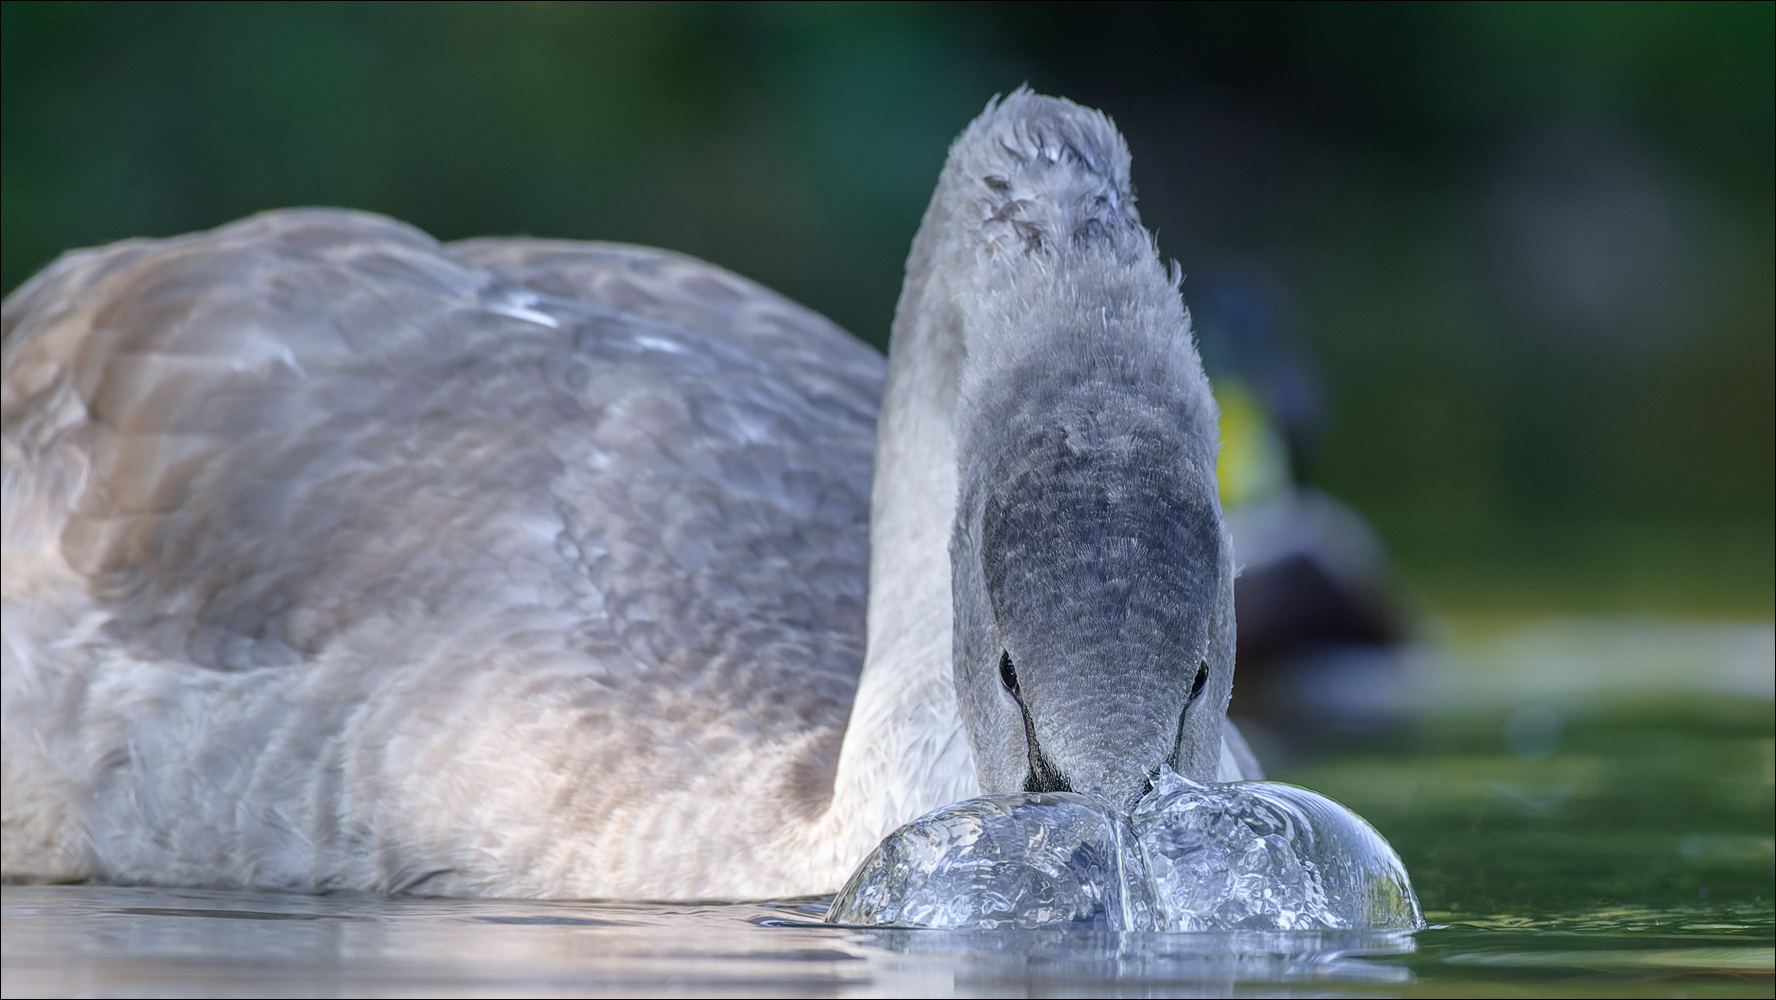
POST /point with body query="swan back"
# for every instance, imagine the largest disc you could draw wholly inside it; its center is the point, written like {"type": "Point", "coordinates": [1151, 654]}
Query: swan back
{"type": "Point", "coordinates": [337, 557]}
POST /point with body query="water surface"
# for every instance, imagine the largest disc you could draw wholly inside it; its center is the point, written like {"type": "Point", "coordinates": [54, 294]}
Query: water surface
{"type": "Point", "coordinates": [107, 941]}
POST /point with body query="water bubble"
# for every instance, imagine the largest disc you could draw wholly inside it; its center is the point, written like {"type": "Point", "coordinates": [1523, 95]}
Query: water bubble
{"type": "Point", "coordinates": [1003, 861]}
{"type": "Point", "coordinates": [1239, 856]}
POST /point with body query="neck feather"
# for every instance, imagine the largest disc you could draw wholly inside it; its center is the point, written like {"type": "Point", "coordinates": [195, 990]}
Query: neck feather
{"type": "Point", "coordinates": [1027, 171]}
{"type": "Point", "coordinates": [905, 752]}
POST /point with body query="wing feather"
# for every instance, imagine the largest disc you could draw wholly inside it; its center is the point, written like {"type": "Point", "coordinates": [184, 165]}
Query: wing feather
{"type": "Point", "coordinates": [250, 439]}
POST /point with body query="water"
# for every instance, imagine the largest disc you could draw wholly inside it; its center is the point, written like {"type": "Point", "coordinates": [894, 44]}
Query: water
{"type": "Point", "coordinates": [106, 941]}
{"type": "Point", "coordinates": [1565, 847]}
{"type": "Point", "coordinates": [1263, 855]}
{"type": "Point", "coordinates": [1252, 856]}
{"type": "Point", "coordinates": [1004, 861]}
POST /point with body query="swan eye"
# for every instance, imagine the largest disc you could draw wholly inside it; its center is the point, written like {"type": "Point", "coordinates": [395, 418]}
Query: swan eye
{"type": "Point", "coordinates": [1007, 673]}
{"type": "Point", "coordinates": [1202, 678]}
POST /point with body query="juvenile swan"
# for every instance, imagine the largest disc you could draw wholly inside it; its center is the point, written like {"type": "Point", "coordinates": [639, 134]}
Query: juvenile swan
{"type": "Point", "coordinates": [339, 558]}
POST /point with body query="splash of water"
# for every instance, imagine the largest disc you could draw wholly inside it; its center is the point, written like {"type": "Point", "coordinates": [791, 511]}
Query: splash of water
{"type": "Point", "coordinates": [1249, 855]}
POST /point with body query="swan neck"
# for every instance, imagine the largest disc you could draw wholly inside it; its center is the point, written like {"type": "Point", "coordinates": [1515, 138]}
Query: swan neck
{"type": "Point", "coordinates": [905, 752]}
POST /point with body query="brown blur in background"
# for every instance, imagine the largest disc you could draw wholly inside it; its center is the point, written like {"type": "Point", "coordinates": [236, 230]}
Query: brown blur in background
{"type": "Point", "coordinates": [1522, 254]}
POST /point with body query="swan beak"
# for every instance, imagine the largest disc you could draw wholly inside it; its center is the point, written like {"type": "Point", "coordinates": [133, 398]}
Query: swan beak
{"type": "Point", "coordinates": [1107, 730]}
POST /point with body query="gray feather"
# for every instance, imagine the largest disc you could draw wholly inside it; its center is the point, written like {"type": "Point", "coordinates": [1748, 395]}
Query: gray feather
{"type": "Point", "coordinates": [320, 446]}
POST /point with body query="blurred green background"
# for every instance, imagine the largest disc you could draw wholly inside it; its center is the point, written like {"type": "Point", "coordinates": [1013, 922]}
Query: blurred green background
{"type": "Point", "coordinates": [1527, 248]}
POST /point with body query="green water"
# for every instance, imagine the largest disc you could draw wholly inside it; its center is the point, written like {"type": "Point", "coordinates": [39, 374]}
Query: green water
{"type": "Point", "coordinates": [1661, 804]}
{"type": "Point", "coordinates": [1631, 855]}
{"type": "Point", "coordinates": [1621, 850]}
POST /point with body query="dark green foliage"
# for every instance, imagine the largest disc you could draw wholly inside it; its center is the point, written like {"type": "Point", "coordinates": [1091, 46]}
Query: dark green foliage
{"type": "Point", "coordinates": [1421, 179]}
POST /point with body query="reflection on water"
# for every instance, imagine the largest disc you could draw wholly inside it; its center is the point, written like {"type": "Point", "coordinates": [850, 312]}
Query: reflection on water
{"type": "Point", "coordinates": [103, 941]}
{"type": "Point", "coordinates": [1631, 855]}
{"type": "Point", "coordinates": [147, 942]}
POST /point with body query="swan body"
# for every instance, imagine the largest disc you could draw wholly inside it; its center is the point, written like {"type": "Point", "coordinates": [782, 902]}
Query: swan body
{"type": "Point", "coordinates": [339, 558]}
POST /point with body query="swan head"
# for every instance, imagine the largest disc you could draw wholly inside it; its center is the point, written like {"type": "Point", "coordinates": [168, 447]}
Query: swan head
{"type": "Point", "coordinates": [1091, 570]}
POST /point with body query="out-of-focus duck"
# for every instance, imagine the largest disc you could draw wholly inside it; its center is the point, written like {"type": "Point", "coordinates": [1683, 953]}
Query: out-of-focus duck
{"type": "Point", "coordinates": [1320, 635]}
